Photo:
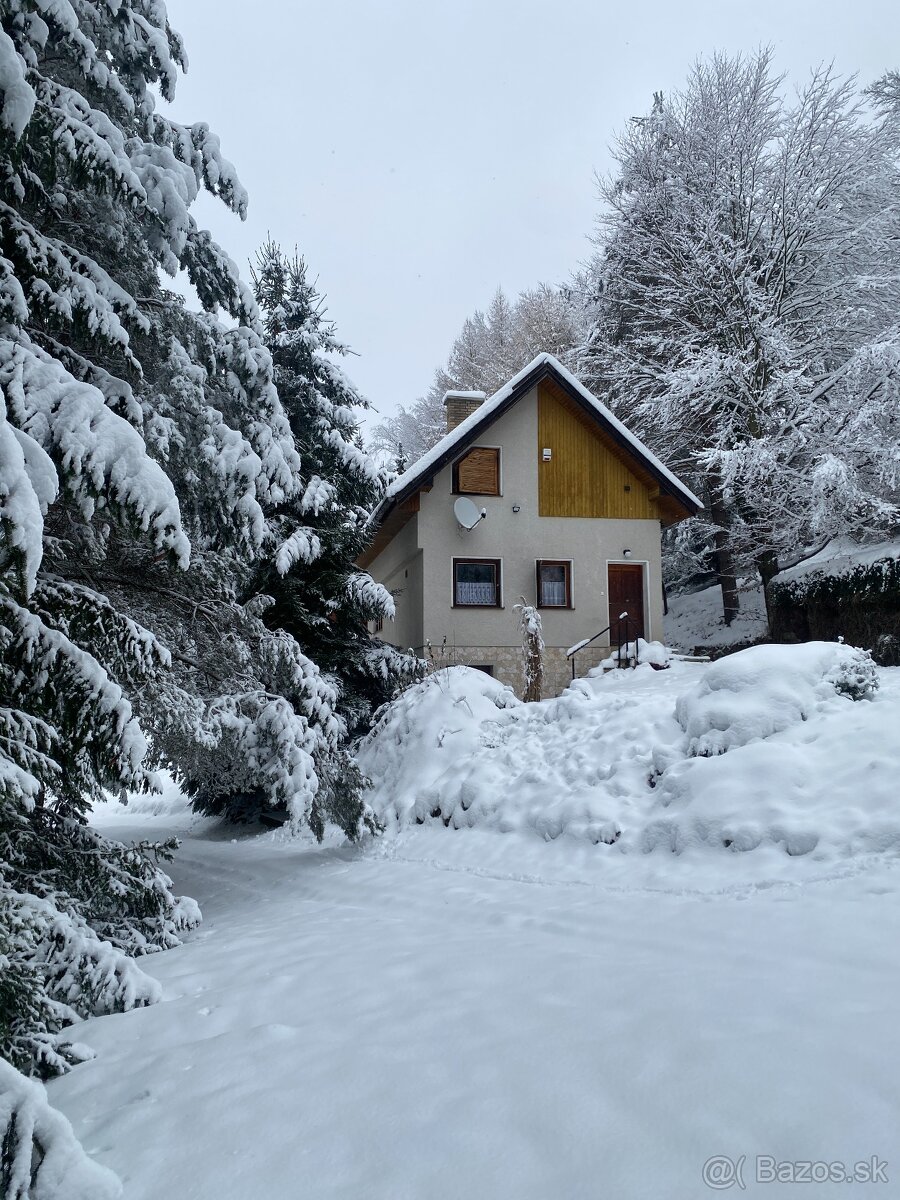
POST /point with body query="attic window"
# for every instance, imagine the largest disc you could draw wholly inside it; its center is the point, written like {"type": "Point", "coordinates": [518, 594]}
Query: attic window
{"type": "Point", "coordinates": [478, 472]}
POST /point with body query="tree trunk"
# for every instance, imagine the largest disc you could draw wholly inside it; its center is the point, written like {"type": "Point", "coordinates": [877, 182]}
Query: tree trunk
{"type": "Point", "coordinates": [767, 565]}
{"type": "Point", "coordinates": [725, 572]}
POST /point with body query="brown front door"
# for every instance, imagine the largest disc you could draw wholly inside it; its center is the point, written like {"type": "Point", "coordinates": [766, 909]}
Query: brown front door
{"type": "Point", "coordinates": [626, 595]}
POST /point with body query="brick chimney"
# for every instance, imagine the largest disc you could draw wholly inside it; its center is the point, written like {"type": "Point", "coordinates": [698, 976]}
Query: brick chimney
{"type": "Point", "coordinates": [460, 405]}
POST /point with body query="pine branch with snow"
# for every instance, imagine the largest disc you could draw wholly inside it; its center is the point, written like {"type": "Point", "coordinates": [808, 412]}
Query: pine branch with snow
{"type": "Point", "coordinates": [40, 1157]}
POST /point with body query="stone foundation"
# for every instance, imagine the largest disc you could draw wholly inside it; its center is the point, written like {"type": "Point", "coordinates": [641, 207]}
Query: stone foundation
{"type": "Point", "coordinates": [507, 664]}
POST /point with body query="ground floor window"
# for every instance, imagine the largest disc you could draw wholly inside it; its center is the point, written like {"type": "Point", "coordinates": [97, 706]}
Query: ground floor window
{"type": "Point", "coordinates": [554, 583]}
{"type": "Point", "coordinates": [476, 582]}
{"type": "Point", "coordinates": [488, 670]}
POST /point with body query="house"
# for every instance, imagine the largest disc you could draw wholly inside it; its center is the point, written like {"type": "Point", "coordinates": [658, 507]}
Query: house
{"type": "Point", "coordinates": [573, 505]}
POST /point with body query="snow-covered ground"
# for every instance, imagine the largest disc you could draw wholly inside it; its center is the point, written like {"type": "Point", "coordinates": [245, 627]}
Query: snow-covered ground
{"type": "Point", "coordinates": [694, 620]}
{"type": "Point", "coordinates": [518, 1009]}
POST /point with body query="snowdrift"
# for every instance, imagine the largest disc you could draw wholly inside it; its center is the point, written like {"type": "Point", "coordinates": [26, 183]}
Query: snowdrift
{"type": "Point", "coordinates": [791, 747]}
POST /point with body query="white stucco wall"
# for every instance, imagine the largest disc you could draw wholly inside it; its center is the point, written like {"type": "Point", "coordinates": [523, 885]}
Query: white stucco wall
{"type": "Point", "coordinates": [427, 545]}
{"type": "Point", "coordinates": [399, 568]}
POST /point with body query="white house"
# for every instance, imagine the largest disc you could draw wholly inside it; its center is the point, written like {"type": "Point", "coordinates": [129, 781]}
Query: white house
{"type": "Point", "coordinates": [573, 508]}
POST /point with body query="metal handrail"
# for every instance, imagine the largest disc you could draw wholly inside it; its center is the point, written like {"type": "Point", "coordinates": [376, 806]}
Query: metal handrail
{"type": "Point", "coordinates": [623, 617]}
{"type": "Point", "coordinates": [573, 650]}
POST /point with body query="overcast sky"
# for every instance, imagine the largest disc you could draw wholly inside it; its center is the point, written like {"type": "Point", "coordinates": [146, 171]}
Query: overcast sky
{"type": "Point", "coordinates": [419, 154]}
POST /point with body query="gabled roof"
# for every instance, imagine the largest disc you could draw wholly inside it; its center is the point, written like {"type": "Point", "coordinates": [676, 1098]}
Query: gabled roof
{"type": "Point", "coordinates": [545, 366]}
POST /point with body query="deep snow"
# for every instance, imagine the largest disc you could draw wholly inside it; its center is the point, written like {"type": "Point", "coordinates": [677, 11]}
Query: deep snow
{"type": "Point", "coordinates": [634, 759]}
{"type": "Point", "coordinates": [402, 1027]}
{"type": "Point", "coordinates": [464, 1012]}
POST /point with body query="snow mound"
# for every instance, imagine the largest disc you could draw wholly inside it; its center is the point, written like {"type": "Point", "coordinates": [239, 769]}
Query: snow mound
{"type": "Point", "coordinates": [766, 689]}
{"type": "Point", "coordinates": [42, 1159]}
{"type": "Point", "coordinates": [461, 749]}
{"type": "Point", "coordinates": [763, 750]}
{"type": "Point", "coordinates": [640, 651]}
{"type": "Point", "coordinates": [430, 730]}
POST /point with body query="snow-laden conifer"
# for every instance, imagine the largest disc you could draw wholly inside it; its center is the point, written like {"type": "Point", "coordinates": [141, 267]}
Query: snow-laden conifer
{"type": "Point", "coordinates": [321, 597]}
{"type": "Point", "coordinates": [143, 451]}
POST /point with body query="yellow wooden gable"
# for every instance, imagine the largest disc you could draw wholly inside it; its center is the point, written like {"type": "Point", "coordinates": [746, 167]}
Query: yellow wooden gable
{"type": "Point", "coordinates": [588, 474]}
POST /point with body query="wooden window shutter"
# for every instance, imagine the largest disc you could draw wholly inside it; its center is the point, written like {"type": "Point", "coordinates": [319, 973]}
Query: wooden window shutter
{"type": "Point", "coordinates": [479, 472]}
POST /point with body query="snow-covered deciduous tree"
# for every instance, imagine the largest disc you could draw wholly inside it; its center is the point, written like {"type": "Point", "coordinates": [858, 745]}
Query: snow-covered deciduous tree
{"type": "Point", "coordinates": [745, 319]}
{"type": "Point", "coordinates": [490, 348]}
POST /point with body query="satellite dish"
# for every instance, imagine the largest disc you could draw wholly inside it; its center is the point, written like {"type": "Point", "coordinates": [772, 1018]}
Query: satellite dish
{"type": "Point", "coordinates": [466, 513]}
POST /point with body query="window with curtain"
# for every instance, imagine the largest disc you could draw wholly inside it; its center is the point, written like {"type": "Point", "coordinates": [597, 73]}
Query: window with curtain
{"type": "Point", "coordinates": [554, 583]}
{"type": "Point", "coordinates": [476, 582]}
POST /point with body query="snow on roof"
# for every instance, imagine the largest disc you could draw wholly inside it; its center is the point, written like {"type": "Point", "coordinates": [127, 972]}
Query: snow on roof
{"type": "Point", "coordinates": [456, 395]}
{"type": "Point", "coordinates": [458, 436]}
{"type": "Point", "coordinates": [839, 557]}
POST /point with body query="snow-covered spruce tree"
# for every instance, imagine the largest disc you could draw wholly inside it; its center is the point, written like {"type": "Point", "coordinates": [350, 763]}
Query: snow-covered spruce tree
{"type": "Point", "coordinates": [40, 1158]}
{"type": "Point", "coordinates": [74, 907]}
{"type": "Point", "coordinates": [746, 306]}
{"type": "Point", "coordinates": [129, 429]}
{"type": "Point", "coordinates": [320, 597]}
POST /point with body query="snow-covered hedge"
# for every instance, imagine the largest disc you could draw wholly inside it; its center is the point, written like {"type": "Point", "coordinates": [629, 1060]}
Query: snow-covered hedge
{"type": "Point", "coordinates": [847, 590]}
{"type": "Point", "coordinates": [40, 1157]}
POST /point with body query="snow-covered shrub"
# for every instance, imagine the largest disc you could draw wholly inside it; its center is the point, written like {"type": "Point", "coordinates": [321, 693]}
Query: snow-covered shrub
{"type": "Point", "coordinates": [40, 1157]}
{"type": "Point", "coordinates": [608, 764]}
{"type": "Point", "coordinates": [433, 727]}
{"type": "Point", "coordinates": [765, 689]}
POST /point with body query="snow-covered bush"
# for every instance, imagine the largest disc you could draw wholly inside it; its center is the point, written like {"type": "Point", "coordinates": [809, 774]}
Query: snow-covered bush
{"type": "Point", "coordinates": [432, 728]}
{"type": "Point", "coordinates": [40, 1157]}
{"type": "Point", "coordinates": [765, 689]}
